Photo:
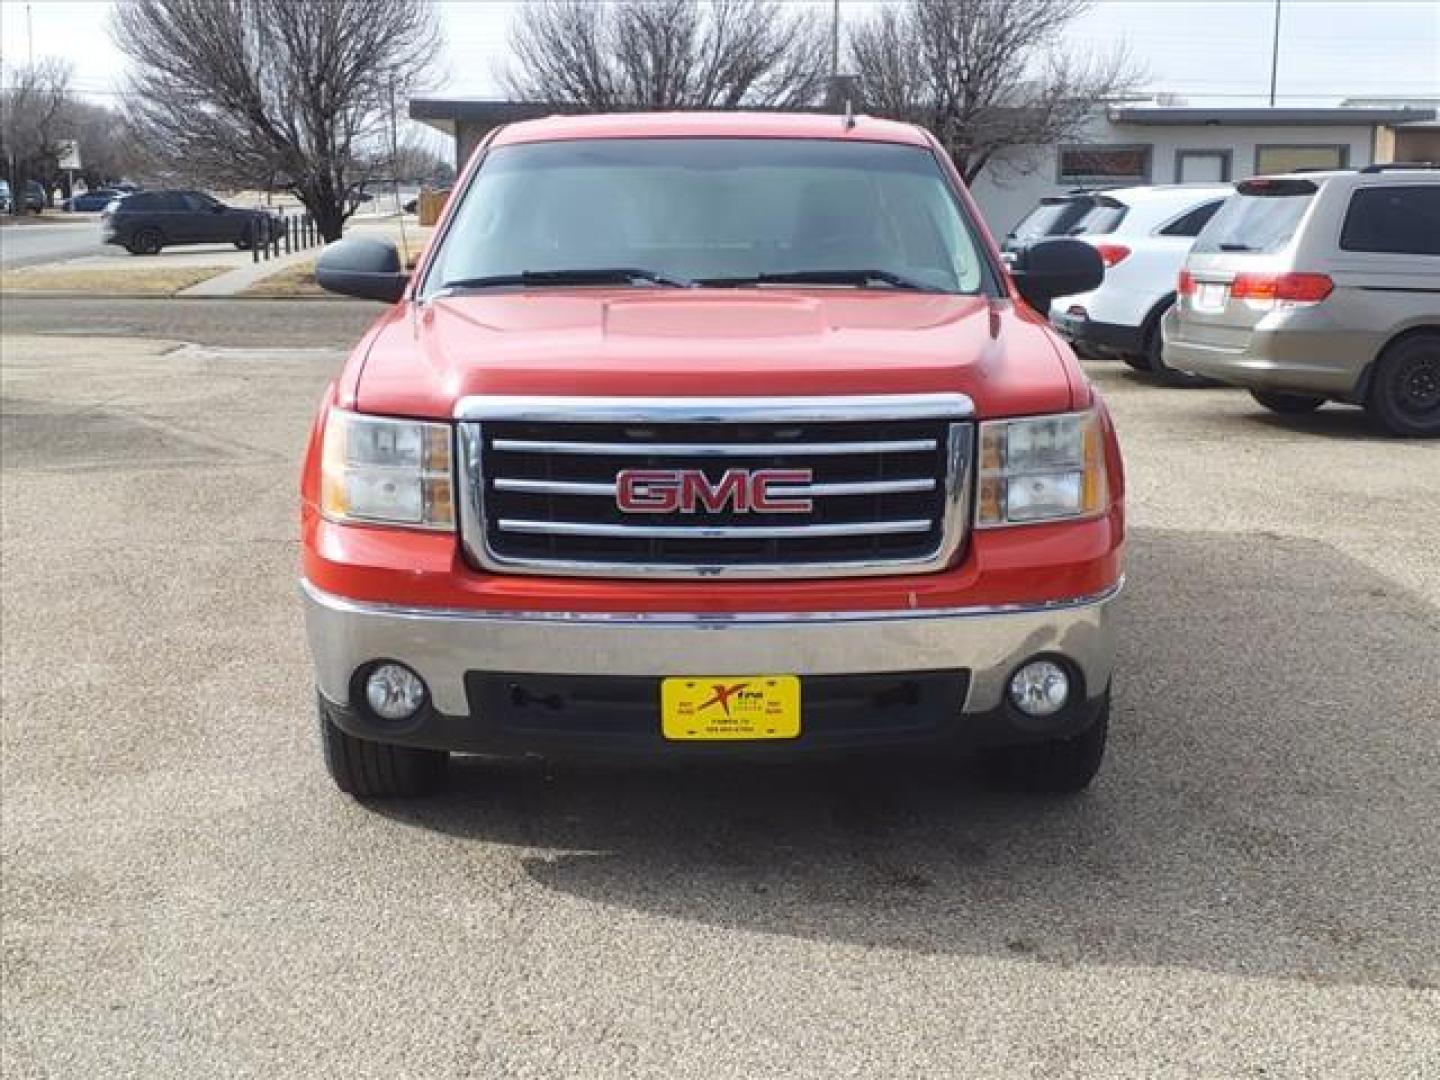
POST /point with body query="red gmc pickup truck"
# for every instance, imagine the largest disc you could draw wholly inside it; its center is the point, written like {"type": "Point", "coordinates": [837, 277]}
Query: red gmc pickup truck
{"type": "Point", "coordinates": [708, 435]}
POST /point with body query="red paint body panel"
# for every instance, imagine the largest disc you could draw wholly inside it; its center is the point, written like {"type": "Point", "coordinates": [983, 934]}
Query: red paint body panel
{"type": "Point", "coordinates": [419, 362]}
{"type": "Point", "coordinates": [1027, 565]}
{"type": "Point", "coordinates": [728, 343]}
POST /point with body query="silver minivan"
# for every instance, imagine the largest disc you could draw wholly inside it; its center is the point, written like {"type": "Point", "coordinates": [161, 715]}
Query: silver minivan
{"type": "Point", "coordinates": [1315, 287]}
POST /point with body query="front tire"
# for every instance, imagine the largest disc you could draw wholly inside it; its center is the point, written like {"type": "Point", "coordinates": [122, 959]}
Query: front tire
{"type": "Point", "coordinates": [373, 770]}
{"type": "Point", "coordinates": [1405, 393]}
{"type": "Point", "coordinates": [1287, 404]}
{"type": "Point", "coordinates": [1056, 766]}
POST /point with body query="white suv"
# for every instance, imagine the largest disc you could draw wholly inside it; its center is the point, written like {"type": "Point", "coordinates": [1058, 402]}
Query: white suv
{"type": "Point", "coordinates": [1143, 235]}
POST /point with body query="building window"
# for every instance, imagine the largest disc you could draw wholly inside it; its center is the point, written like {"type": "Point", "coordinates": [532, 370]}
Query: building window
{"type": "Point", "coordinates": [1202, 166]}
{"type": "Point", "coordinates": [1098, 163]}
{"type": "Point", "coordinates": [1273, 160]}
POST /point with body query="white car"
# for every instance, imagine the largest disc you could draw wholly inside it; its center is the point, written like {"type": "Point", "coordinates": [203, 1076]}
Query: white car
{"type": "Point", "coordinates": [1143, 235]}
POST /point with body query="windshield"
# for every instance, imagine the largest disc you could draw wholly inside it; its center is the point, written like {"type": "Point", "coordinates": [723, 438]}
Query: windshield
{"type": "Point", "coordinates": [1050, 218]}
{"type": "Point", "coordinates": [1102, 218]}
{"type": "Point", "coordinates": [656, 212]}
{"type": "Point", "coordinates": [1260, 224]}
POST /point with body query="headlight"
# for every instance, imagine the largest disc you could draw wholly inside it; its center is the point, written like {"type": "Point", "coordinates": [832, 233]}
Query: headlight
{"type": "Point", "coordinates": [1042, 468]}
{"type": "Point", "coordinates": [391, 472]}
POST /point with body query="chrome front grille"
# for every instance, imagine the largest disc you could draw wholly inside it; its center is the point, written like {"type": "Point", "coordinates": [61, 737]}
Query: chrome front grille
{"type": "Point", "coordinates": [869, 485]}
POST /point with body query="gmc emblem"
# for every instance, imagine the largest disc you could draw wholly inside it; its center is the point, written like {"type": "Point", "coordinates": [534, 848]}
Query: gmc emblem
{"type": "Point", "coordinates": [687, 491]}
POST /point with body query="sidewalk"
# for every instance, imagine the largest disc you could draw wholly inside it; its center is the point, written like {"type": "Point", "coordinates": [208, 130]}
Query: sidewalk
{"type": "Point", "coordinates": [241, 278]}
{"type": "Point", "coordinates": [248, 278]}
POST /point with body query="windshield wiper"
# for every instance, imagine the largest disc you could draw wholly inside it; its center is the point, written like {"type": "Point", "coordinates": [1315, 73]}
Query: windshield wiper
{"type": "Point", "coordinates": [601, 275]}
{"type": "Point", "coordinates": [859, 278]}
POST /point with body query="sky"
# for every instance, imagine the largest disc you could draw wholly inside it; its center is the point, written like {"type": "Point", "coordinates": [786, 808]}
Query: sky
{"type": "Point", "coordinates": [1211, 52]}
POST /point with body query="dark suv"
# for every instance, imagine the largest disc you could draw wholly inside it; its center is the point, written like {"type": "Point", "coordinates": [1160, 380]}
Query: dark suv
{"type": "Point", "coordinates": [147, 221]}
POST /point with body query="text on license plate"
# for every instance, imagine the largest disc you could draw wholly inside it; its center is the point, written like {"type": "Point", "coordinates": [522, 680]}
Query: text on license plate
{"type": "Point", "coordinates": [699, 707]}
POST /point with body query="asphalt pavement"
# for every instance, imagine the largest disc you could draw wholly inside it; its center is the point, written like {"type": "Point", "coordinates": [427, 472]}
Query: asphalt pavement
{"type": "Point", "coordinates": [1250, 888]}
{"type": "Point", "coordinates": [29, 242]}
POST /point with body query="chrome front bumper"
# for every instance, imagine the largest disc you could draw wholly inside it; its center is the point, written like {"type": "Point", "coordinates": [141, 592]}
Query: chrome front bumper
{"type": "Point", "coordinates": [443, 644]}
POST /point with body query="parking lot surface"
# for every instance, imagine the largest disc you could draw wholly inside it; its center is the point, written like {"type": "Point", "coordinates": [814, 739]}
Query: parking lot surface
{"type": "Point", "coordinates": [1250, 889]}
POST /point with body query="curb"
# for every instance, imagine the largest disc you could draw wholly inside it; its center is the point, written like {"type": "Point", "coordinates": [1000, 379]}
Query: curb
{"type": "Point", "coordinates": [51, 294]}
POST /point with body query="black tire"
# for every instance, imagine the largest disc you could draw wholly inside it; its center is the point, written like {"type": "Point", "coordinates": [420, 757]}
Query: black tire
{"type": "Point", "coordinates": [1278, 401]}
{"type": "Point", "coordinates": [1405, 391]}
{"type": "Point", "coordinates": [242, 245]}
{"type": "Point", "coordinates": [1154, 355]}
{"type": "Point", "coordinates": [1058, 766]}
{"type": "Point", "coordinates": [145, 242]}
{"type": "Point", "coordinates": [372, 770]}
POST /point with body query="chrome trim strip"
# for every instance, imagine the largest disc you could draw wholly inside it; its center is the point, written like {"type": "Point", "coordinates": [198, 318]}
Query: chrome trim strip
{"type": "Point", "coordinates": [688, 618]}
{"type": "Point", "coordinates": [955, 518]}
{"type": "Point", "coordinates": [672, 410]}
{"type": "Point", "coordinates": [713, 532]}
{"type": "Point", "coordinates": [644, 449]}
{"type": "Point", "coordinates": [814, 491]}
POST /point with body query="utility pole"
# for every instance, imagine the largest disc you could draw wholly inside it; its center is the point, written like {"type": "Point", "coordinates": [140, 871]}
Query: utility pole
{"type": "Point", "coordinates": [834, 42]}
{"type": "Point", "coordinates": [395, 174]}
{"type": "Point", "coordinates": [1275, 54]}
{"type": "Point", "coordinates": [29, 38]}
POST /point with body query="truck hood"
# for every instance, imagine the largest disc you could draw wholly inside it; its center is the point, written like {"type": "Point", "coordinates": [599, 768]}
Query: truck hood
{"type": "Point", "coordinates": [726, 343]}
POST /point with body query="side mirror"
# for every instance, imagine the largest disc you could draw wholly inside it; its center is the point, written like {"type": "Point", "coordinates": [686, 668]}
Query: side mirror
{"type": "Point", "coordinates": [1050, 268]}
{"type": "Point", "coordinates": [369, 269]}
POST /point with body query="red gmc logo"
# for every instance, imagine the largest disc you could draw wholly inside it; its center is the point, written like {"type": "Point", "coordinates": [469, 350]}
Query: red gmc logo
{"type": "Point", "coordinates": [686, 491]}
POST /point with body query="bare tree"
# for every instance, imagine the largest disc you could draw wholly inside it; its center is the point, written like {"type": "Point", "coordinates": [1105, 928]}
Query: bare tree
{"type": "Point", "coordinates": [107, 152]}
{"type": "Point", "coordinates": [986, 76]}
{"type": "Point", "coordinates": [666, 54]}
{"type": "Point", "coordinates": [33, 120]}
{"type": "Point", "coordinates": [273, 92]}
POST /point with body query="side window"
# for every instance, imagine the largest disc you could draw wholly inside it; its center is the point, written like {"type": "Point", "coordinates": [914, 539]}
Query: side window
{"type": "Point", "coordinates": [1190, 224]}
{"type": "Point", "coordinates": [139, 202]}
{"type": "Point", "coordinates": [167, 200]}
{"type": "Point", "coordinates": [1399, 220]}
{"type": "Point", "coordinates": [194, 200]}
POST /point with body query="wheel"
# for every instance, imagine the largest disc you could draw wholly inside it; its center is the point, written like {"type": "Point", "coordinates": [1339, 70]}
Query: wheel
{"type": "Point", "coordinates": [1405, 392]}
{"type": "Point", "coordinates": [1058, 766]}
{"type": "Point", "coordinates": [1153, 358]}
{"type": "Point", "coordinates": [145, 242]}
{"type": "Point", "coordinates": [1289, 404]}
{"type": "Point", "coordinates": [373, 770]}
{"type": "Point", "coordinates": [242, 245]}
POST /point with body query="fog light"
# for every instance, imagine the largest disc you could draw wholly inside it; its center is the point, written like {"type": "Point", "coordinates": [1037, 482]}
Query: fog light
{"type": "Point", "coordinates": [394, 692]}
{"type": "Point", "coordinates": [1040, 688]}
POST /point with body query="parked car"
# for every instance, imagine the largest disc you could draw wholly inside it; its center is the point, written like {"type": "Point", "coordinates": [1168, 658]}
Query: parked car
{"type": "Point", "coordinates": [714, 437]}
{"type": "Point", "coordinates": [1316, 287]}
{"type": "Point", "coordinates": [95, 199]}
{"type": "Point", "coordinates": [1143, 235]}
{"type": "Point", "coordinates": [36, 197]}
{"type": "Point", "coordinates": [1055, 215]}
{"type": "Point", "coordinates": [147, 221]}
{"type": "Point", "coordinates": [6, 199]}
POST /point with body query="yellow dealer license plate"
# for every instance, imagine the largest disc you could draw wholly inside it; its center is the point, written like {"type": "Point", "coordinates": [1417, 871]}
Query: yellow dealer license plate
{"type": "Point", "coordinates": [730, 707]}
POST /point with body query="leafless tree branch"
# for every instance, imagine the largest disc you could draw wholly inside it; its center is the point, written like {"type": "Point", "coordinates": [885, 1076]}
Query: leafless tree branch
{"type": "Point", "coordinates": [666, 54]}
{"type": "Point", "coordinates": [34, 113]}
{"type": "Point", "coordinates": [273, 92]}
{"type": "Point", "coordinates": [988, 77]}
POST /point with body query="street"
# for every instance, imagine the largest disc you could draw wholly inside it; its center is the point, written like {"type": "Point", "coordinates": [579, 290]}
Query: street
{"type": "Point", "coordinates": [1249, 889]}
{"type": "Point", "coordinates": [29, 243]}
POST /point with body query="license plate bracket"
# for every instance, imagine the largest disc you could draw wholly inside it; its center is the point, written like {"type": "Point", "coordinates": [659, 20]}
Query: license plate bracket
{"type": "Point", "coordinates": [730, 708]}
